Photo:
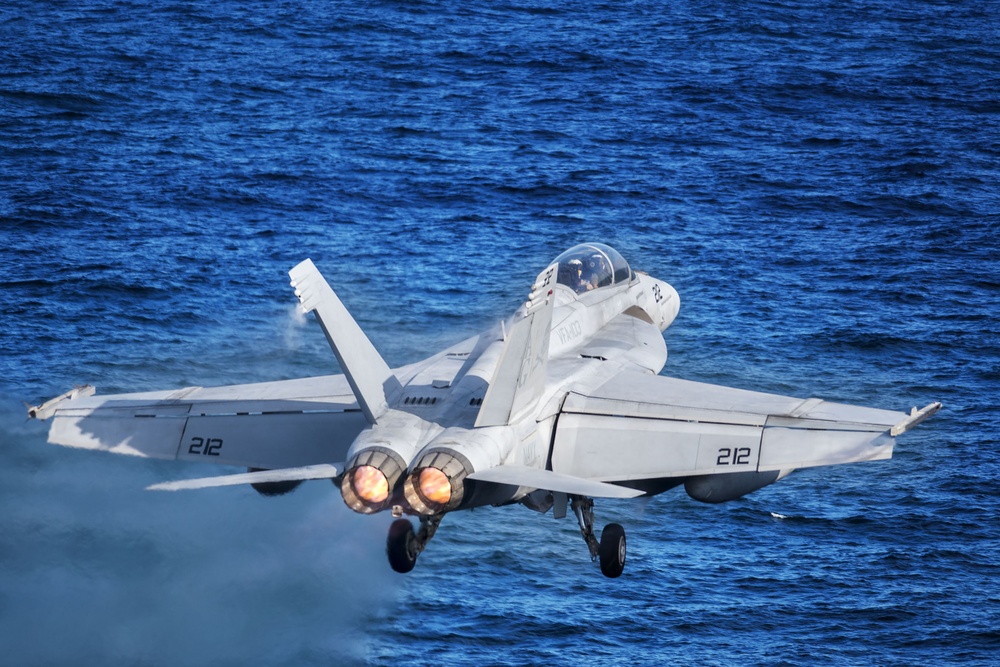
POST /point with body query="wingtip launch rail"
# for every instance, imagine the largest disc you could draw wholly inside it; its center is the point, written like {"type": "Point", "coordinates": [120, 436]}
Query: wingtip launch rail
{"type": "Point", "coordinates": [49, 407]}
{"type": "Point", "coordinates": [915, 417]}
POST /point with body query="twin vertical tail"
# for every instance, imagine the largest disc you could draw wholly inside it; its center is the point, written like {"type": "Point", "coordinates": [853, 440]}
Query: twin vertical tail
{"type": "Point", "coordinates": [519, 378]}
{"type": "Point", "coordinates": [517, 383]}
{"type": "Point", "coordinates": [371, 379]}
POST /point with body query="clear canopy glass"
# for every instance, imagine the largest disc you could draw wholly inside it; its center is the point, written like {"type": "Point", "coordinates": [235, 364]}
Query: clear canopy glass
{"type": "Point", "coordinates": [591, 266]}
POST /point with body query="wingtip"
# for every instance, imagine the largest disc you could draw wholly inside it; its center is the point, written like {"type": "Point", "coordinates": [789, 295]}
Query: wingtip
{"type": "Point", "coordinates": [48, 408]}
{"type": "Point", "coordinates": [915, 417]}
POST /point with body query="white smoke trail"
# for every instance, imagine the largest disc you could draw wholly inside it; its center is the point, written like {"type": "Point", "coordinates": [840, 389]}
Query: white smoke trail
{"type": "Point", "coordinates": [95, 570]}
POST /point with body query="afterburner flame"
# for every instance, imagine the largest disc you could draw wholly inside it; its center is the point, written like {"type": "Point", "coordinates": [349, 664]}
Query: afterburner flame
{"type": "Point", "coordinates": [435, 486]}
{"type": "Point", "coordinates": [370, 484]}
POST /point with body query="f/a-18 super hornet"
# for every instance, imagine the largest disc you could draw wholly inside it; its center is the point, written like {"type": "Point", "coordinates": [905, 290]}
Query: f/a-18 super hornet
{"type": "Point", "coordinates": [557, 405]}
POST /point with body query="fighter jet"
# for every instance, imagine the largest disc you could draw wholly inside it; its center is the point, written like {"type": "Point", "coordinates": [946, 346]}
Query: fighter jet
{"type": "Point", "coordinates": [557, 405]}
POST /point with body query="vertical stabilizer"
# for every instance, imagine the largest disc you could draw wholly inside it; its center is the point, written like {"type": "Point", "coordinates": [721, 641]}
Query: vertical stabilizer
{"type": "Point", "coordinates": [370, 378]}
{"type": "Point", "coordinates": [519, 378]}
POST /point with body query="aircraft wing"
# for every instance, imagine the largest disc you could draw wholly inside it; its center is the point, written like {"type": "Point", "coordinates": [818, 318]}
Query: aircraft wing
{"type": "Point", "coordinates": [284, 424]}
{"type": "Point", "coordinates": [639, 426]}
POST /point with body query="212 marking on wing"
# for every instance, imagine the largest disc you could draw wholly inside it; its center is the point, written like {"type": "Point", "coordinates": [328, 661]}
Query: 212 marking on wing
{"type": "Point", "coordinates": [205, 446]}
{"type": "Point", "coordinates": [733, 456]}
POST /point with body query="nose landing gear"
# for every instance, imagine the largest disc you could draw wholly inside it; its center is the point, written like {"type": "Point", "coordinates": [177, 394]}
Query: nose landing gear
{"type": "Point", "coordinates": [611, 549]}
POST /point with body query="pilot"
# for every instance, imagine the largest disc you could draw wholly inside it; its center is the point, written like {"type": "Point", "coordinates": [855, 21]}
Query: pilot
{"type": "Point", "coordinates": [595, 272]}
{"type": "Point", "coordinates": [574, 268]}
{"type": "Point", "coordinates": [577, 281]}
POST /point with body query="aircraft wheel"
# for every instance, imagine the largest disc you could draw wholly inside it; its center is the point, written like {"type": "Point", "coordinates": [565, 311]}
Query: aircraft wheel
{"type": "Point", "coordinates": [612, 550]}
{"type": "Point", "coordinates": [401, 546]}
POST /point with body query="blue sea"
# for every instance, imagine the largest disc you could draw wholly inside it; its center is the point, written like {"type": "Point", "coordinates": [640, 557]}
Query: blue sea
{"type": "Point", "coordinates": [819, 181]}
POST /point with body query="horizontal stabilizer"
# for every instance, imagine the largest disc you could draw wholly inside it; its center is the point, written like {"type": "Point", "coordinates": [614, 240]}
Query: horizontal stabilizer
{"type": "Point", "coordinates": [321, 471]}
{"type": "Point", "coordinates": [547, 480]}
{"type": "Point", "coordinates": [914, 418]}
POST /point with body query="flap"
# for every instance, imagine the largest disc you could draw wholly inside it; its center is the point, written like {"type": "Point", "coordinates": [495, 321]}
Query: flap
{"type": "Point", "coordinates": [536, 478]}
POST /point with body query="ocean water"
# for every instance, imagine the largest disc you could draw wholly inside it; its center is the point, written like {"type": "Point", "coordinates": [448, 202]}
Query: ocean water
{"type": "Point", "coordinates": [820, 182]}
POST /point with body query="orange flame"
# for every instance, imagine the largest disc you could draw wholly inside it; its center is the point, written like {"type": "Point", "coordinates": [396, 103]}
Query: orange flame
{"type": "Point", "coordinates": [370, 484]}
{"type": "Point", "coordinates": [435, 486]}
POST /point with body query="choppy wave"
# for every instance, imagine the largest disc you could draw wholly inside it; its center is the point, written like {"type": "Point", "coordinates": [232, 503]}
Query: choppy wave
{"type": "Point", "coordinates": [818, 182]}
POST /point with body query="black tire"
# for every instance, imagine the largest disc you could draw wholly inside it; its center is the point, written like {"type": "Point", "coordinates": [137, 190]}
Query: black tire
{"type": "Point", "coordinates": [400, 546]}
{"type": "Point", "coordinates": [612, 550]}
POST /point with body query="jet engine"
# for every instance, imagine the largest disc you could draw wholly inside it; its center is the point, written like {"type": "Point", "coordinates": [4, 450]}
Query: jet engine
{"type": "Point", "coordinates": [438, 480]}
{"type": "Point", "coordinates": [370, 479]}
{"type": "Point", "coordinates": [376, 463]}
{"type": "Point", "coordinates": [437, 483]}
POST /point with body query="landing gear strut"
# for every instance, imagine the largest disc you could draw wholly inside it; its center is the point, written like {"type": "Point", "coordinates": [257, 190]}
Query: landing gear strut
{"type": "Point", "coordinates": [611, 548]}
{"type": "Point", "coordinates": [404, 545]}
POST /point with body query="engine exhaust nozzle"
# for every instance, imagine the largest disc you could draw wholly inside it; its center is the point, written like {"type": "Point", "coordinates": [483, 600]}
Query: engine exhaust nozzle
{"type": "Point", "coordinates": [370, 480]}
{"type": "Point", "coordinates": [436, 483]}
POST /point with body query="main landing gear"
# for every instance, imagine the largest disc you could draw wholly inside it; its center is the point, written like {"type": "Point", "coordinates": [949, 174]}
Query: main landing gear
{"type": "Point", "coordinates": [611, 549]}
{"type": "Point", "coordinates": [404, 545]}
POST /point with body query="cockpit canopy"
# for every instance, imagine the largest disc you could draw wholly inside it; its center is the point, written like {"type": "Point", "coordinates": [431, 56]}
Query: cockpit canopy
{"type": "Point", "coordinates": [590, 266]}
